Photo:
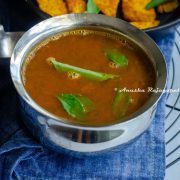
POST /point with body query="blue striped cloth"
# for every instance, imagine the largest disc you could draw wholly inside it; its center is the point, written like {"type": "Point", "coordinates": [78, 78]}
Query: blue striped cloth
{"type": "Point", "coordinates": [22, 157]}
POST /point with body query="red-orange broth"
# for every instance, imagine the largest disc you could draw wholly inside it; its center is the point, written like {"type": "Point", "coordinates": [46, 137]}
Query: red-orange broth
{"type": "Point", "coordinates": [86, 49]}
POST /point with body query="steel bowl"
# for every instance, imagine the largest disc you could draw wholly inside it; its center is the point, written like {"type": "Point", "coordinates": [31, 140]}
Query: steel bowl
{"type": "Point", "coordinates": [61, 136]}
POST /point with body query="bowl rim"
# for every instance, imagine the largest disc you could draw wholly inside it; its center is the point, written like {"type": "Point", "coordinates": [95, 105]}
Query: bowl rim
{"type": "Point", "coordinates": [83, 20]}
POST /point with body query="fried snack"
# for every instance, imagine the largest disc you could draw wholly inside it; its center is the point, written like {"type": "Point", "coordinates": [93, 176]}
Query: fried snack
{"type": "Point", "coordinates": [108, 7]}
{"type": "Point", "coordinates": [168, 7]}
{"type": "Point", "coordinates": [53, 7]}
{"type": "Point", "coordinates": [76, 6]}
{"type": "Point", "coordinates": [135, 11]}
{"type": "Point", "coordinates": [145, 25]}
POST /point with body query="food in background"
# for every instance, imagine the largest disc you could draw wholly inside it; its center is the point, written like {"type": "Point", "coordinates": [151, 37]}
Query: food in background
{"type": "Point", "coordinates": [135, 10]}
{"type": "Point", "coordinates": [53, 7]}
{"type": "Point", "coordinates": [108, 7]}
{"type": "Point", "coordinates": [140, 13]}
{"type": "Point", "coordinates": [136, 13]}
{"type": "Point", "coordinates": [168, 7]}
{"type": "Point", "coordinates": [76, 6]}
{"type": "Point", "coordinates": [145, 25]}
{"type": "Point", "coordinates": [92, 7]}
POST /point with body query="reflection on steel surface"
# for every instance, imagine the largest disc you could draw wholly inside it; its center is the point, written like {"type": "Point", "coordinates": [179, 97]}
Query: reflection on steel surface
{"type": "Point", "coordinates": [7, 42]}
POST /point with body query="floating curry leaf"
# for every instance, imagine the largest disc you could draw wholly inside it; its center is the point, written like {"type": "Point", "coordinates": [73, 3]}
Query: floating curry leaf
{"type": "Point", "coordinates": [121, 103]}
{"type": "Point", "coordinates": [83, 72]}
{"type": "Point", "coordinates": [75, 105]}
{"type": "Point", "coordinates": [155, 3]}
{"type": "Point", "coordinates": [86, 103]}
{"type": "Point", "coordinates": [92, 8]}
{"type": "Point", "coordinates": [116, 57]}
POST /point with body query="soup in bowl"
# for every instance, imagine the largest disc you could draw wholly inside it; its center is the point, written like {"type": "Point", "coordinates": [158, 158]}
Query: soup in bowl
{"type": "Point", "coordinates": [86, 81]}
{"type": "Point", "coordinates": [89, 76]}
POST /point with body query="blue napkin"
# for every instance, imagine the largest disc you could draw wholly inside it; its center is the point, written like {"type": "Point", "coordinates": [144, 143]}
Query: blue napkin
{"type": "Point", "coordinates": [22, 157]}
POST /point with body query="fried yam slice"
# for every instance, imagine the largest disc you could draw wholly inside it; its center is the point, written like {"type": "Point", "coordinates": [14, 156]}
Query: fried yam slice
{"type": "Point", "coordinates": [145, 25]}
{"type": "Point", "coordinates": [134, 10]}
{"type": "Point", "coordinates": [53, 7]}
{"type": "Point", "coordinates": [168, 7]}
{"type": "Point", "coordinates": [76, 6]}
{"type": "Point", "coordinates": [108, 7]}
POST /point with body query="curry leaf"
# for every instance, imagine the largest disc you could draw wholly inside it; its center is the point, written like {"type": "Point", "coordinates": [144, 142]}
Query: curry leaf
{"type": "Point", "coordinates": [121, 103]}
{"type": "Point", "coordinates": [83, 72]}
{"type": "Point", "coordinates": [86, 103]}
{"type": "Point", "coordinates": [75, 105]}
{"type": "Point", "coordinates": [116, 57]}
{"type": "Point", "coordinates": [155, 3]}
{"type": "Point", "coordinates": [92, 8]}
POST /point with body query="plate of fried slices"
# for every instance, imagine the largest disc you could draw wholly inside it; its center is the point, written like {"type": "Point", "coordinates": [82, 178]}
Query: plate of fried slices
{"type": "Point", "coordinates": [148, 15]}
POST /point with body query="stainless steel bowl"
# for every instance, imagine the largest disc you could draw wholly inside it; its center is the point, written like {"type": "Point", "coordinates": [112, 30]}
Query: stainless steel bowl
{"type": "Point", "coordinates": [63, 136]}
